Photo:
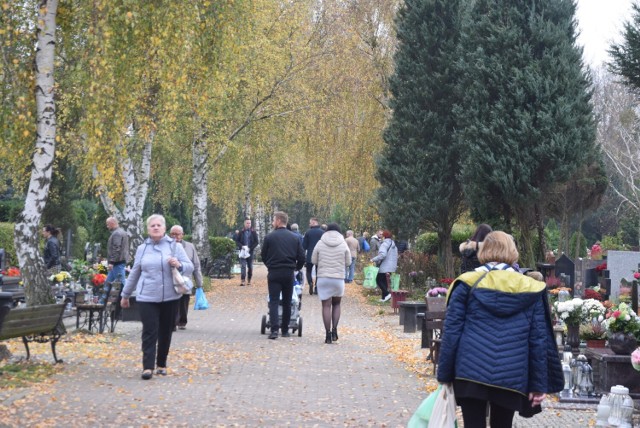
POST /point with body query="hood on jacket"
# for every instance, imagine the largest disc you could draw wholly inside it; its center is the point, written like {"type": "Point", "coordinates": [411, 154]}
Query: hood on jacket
{"type": "Point", "coordinates": [469, 245]}
{"type": "Point", "coordinates": [502, 293]}
{"type": "Point", "coordinates": [332, 238]}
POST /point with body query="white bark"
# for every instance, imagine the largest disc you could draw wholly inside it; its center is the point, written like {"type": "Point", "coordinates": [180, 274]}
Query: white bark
{"type": "Point", "coordinates": [37, 290]}
{"type": "Point", "coordinates": [261, 228]}
{"type": "Point", "coordinates": [200, 226]}
{"type": "Point", "coordinates": [135, 177]}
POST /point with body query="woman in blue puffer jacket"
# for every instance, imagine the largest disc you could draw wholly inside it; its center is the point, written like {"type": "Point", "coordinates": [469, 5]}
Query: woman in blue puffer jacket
{"type": "Point", "coordinates": [498, 344]}
{"type": "Point", "coordinates": [156, 298]}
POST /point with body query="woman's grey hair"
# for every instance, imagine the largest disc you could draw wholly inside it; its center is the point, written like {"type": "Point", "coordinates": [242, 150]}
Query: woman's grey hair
{"type": "Point", "coordinates": [156, 217]}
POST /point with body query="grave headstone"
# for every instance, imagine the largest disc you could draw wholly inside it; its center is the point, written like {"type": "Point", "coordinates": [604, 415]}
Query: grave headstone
{"type": "Point", "coordinates": [621, 265]}
{"type": "Point", "coordinates": [565, 266]}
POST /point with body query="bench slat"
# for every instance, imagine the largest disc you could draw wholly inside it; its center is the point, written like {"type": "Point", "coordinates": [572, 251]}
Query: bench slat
{"type": "Point", "coordinates": [42, 319]}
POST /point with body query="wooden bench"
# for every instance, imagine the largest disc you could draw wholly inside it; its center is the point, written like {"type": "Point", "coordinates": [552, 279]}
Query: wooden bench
{"type": "Point", "coordinates": [40, 324]}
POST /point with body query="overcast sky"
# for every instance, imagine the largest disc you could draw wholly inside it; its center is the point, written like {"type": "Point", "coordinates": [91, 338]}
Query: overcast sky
{"type": "Point", "coordinates": [600, 22]}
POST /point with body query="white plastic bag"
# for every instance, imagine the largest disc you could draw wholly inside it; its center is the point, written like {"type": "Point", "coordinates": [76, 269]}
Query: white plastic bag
{"type": "Point", "coordinates": [443, 414]}
{"type": "Point", "coordinates": [244, 252]}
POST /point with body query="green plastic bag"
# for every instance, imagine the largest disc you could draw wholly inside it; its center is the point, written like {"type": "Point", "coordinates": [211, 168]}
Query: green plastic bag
{"type": "Point", "coordinates": [395, 281]}
{"type": "Point", "coordinates": [420, 418]}
{"type": "Point", "coordinates": [370, 273]}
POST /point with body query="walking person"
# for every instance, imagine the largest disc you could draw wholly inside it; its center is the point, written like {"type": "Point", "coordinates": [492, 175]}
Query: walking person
{"type": "Point", "coordinates": [282, 254]}
{"type": "Point", "coordinates": [247, 238]}
{"type": "Point", "coordinates": [470, 248]}
{"type": "Point", "coordinates": [374, 242]}
{"type": "Point", "coordinates": [354, 246]}
{"type": "Point", "coordinates": [331, 256]}
{"type": "Point", "coordinates": [51, 254]}
{"type": "Point", "coordinates": [387, 261]}
{"type": "Point", "coordinates": [497, 315]}
{"type": "Point", "coordinates": [309, 242]}
{"type": "Point", "coordinates": [117, 256]}
{"type": "Point", "coordinates": [157, 301]}
{"type": "Point", "coordinates": [177, 233]}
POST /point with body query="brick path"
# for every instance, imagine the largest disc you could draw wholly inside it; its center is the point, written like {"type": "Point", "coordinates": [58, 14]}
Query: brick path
{"type": "Point", "coordinates": [223, 372]}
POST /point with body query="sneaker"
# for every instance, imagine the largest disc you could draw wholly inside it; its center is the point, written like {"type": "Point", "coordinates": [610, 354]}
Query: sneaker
{"type": "Point", "coordinates": [147, 374]}
{"type": "Point", "coordinates": [273, 335]}
{"type": "Point", "coordinates": [161, 371]}
{"type": "Point", "coordinates": [387, 297]}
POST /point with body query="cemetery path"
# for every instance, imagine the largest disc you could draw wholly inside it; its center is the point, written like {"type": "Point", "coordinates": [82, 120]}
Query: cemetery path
{"type": "Point", "coordinates": [223, 372]}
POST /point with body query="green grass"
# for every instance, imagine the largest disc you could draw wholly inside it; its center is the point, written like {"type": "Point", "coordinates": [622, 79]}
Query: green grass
{"type": "Point", "coordinates": [25, 373]}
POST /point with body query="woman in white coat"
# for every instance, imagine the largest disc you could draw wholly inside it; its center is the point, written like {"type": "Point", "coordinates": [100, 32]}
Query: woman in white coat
{"type": "Point", "coordinates": [331, 256]}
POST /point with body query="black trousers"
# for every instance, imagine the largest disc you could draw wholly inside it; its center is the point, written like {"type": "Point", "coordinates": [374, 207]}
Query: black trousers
{"type": "Point", "coordinates": [309, 277]}
{"type": "Point", "coordinates": [280, 282]}
{"type": "Point", "coordinates": [474, 414]}
{"type": "Point", "coordinates": [158, 320]}
{"type": "Point", "coordinates": [183, 309]}
{"type": "Point", "coordinates": [382, 280]}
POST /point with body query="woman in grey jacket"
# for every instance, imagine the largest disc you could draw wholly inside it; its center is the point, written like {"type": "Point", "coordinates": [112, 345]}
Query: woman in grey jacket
{"type": "Point", "coordinates": [387, 261]}
{"type": "Point", "coordinates": [156, 299]}
{"type": "Point", "coordinates": [331, 256]}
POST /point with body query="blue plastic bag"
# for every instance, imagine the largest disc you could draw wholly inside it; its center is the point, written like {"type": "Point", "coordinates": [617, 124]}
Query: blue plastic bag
{"type": "Point", "coordinates": [201, 300]}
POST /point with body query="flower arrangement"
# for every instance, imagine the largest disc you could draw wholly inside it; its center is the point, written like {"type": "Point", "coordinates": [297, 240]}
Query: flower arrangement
{"type": "Point", "coordinates": [553, 282]}
{"type": "Point", "coordinates": [12, 271]}
{"type": "Point", "coordinates": [635, 359]}
{"type": "Point", "coordinates": [636, 274]}
{"type": "Point", "coordinates": [622, 319]}
{"type": "Point", "coordinates": [592, 308]}
{"type": "Point", "coordinates": [593, 293]}
{"type": "Point", "coordinates": [555, 291]}
{"type": "Point", "coordinates": [60, 277]}
{"type": "Point", "coordinates": [596, 252]}
{"type": "Point", "coordinates": [593, 331]}
{"type": "Point", "coordinates": [98, 279]}
{"type": "Point", "coordinates": [446, 282]}
{"type": "Point", "coordinates": [569, 311]}
{"type": "Point", "coordinates": [81, 270]}
{"type": "Point", "coordinates": [101, 268]}
{"type": "Point", "coordinates": [601, 267]}
{"type": "Point", "coordinates": [437, 292]}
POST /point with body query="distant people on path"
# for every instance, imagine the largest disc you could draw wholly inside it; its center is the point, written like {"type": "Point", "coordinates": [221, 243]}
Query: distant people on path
{"type": "Point", "coordinates": [331, 256]}
{"type": "Point", "coordinates": [403, 246]}
{"type": "Point", "coordinates": [156, 298]}
{"type": "Point", "coordinates": [497, 317]}
{"type": "Point", "coordinates": [364, 242]}
{"type": "Point", "coordinates": [117, 256]}
{"type": "Point", "coordinates": [311, 238]}
{"type": "Point", "coordinates": [177, 233]}
{"type": "Point", "coordinates": [354, 246]}
{"type": "Point", "coordinates": [387, 262]}
{"type": "Point", "coordinates": [470, 248]}
{"type": "Point", "coordinates": [51, 249]}
{"type": "Point", "coordinates": [247, 238]}
{"type": "Point", "coordinates": [374, 242]}
{"type": "Point", "coordinates": [282, 254]}
{"type": "Point", "coordinates": [299, 275]}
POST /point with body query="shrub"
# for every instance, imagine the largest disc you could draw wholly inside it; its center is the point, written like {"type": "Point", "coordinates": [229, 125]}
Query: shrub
{"type": "Point", "coordinates": [10, 209]}
{"type": "Point", "coordinates": [414, 268]}
{"type": "Point", "coordinates": [80, 238]}
{"type": "Point", "coordinates": [6, 242]}
{"type": "Point", "coordinates": [427, 243]}
{"type": "Point", "coordinates": [221, 246]}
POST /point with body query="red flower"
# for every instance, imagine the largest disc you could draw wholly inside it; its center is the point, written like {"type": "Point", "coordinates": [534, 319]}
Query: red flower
{"type": "Point", "coordinates": [636, 275]}
{"type": "Point", "coordinates": [601, 267]}
{"type": "Point", "coordinates": [616, 314]}
{"type": "Point", "coordinates": [98, 279]}
{"type": "Point", "coordinates": [590, 293]}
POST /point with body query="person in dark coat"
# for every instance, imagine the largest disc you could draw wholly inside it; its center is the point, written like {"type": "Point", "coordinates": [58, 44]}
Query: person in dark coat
{"type": "Point", "coordinates": [51, 249]}
{"type": "Point", "coordinates": [282, 254]}
{"type": "Point", "coordinates": [498, 345]}
{"type": "Point", "coordinates": [247, 238]}
{"type": "Point", "coordinates": [309, 242]}
{"type": "Point", "coordinates": [470, 248]}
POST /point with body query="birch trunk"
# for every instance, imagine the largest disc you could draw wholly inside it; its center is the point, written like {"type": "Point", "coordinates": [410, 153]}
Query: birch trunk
{"type": "Point", "coordinates": [200, 226]}
{"type": "Point", "coordinates": [37, 289]}
{"type": "Point", "coordinates": [136, 187]}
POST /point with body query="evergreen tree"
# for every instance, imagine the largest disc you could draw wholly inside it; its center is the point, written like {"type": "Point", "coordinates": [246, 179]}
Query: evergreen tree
{"type": "Point", "coordinates": [419, 162]}
{"type": "Point", "coordinates": [626, 55]}
{"type": "Point", "coordinates": [527, 121]}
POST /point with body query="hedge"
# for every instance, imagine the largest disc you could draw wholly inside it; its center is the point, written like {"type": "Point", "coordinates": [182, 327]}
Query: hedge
{"type": "Point", "coordinates": [6, 242]}
{"type": "Point", "coordinates": [427, 243]}
{"type": "Point", "coordinates": [221, 246]}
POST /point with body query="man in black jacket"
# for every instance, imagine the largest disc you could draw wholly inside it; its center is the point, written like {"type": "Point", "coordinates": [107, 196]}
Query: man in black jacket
{"type": "Point", "coordinates": [248, 238]}
{"type": "Point", "coordinates": [282, 254]}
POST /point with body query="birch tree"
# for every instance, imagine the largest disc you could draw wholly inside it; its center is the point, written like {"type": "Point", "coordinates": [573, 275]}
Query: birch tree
{"type": "Point", "coordinates": [26, 233]}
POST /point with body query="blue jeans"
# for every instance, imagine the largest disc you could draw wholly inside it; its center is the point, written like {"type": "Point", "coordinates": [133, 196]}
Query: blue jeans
{"type": "Point", "coordinates": [350, 271]}
{"type": "Point", "coordinates": [115, 274]}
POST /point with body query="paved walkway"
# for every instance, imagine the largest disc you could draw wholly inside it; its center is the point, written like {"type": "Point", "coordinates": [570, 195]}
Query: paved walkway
{"type": "Point", "coordinates": [223, 372]}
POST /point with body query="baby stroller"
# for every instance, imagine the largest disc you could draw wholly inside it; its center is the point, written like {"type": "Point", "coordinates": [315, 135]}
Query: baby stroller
{"type": "Point", "coordinates": [295, 324]}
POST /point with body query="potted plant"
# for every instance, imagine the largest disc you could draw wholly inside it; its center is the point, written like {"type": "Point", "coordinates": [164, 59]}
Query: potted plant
{"type": "Point", "coordinates": [570, 312]}
{"type": "Point", "coordinates": [593, 334]}
{"type": "Point", "coordinates": [623, 326]}
{"type": "Point", "coordinates": [436, 300]}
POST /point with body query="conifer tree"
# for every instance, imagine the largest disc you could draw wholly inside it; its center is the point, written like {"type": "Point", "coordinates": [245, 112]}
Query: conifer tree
{"type": "Point", "coordinates": [626, 55]}
{"type": "Point", "coordinates": [526, 122]}
{"type": "Point", "coordinates": [418, 165]}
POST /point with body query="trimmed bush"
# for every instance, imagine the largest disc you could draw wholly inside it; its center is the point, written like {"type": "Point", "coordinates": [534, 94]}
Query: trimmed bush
{"type": "Point", "coordinates": [221, 246]}
{"type": "Point", "coordinates": [6, 242]}
{"type": "Point", "coordinates": [427, 243]}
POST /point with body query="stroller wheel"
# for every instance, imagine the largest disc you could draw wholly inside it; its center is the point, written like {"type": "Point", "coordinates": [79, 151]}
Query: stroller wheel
{"type": "Point", "coordinates": [263, 327]}
{"type": "Point", "coordinates": [300, 327]}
